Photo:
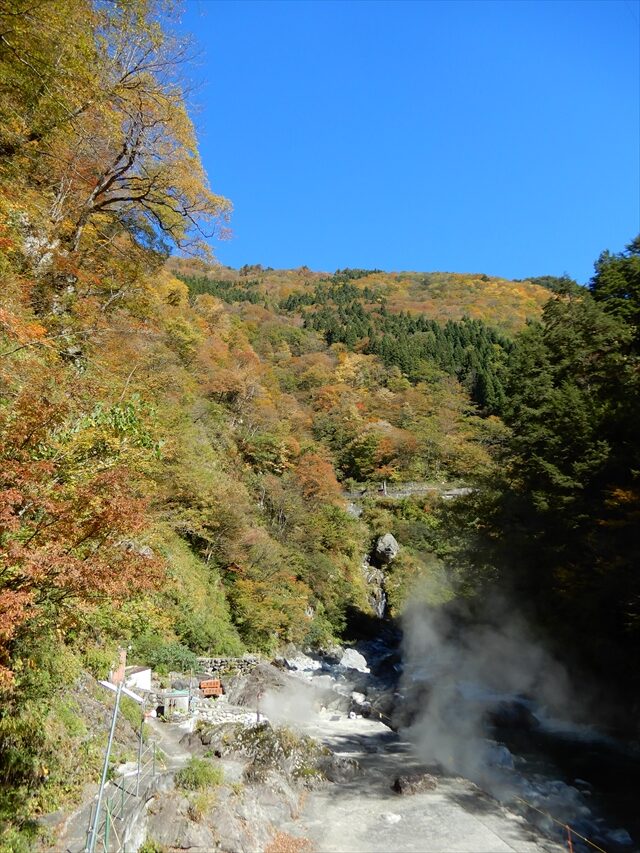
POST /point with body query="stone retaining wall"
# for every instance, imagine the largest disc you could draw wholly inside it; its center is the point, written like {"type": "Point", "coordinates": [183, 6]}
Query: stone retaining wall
{"type": "Point", "coordinates": [223, 665]}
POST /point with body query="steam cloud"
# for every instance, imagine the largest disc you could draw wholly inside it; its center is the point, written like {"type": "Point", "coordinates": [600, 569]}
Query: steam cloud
{"type": "Point", "coordinates": [455, 674]}
{"type": "Point", "coordinates": [291, 704]}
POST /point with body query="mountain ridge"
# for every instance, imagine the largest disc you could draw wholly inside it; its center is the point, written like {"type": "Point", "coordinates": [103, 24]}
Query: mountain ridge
{"type": "Point", "coordinates": [506, 304]}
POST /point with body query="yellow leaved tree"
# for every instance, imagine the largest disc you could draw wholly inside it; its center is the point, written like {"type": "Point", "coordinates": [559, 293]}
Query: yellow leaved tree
{"type": "Point", "coordinates": [94, 118]}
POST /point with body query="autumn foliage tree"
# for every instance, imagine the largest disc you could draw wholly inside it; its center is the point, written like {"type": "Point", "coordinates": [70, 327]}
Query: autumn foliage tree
{"type": "Point", "coordinates": [67, 507]}
{"type": "Point", "coordinates": [95, 117]}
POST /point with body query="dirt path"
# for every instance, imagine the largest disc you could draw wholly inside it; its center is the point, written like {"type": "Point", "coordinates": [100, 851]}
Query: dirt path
{"type": "Point", "coordinates": [365, 816]}
{"type": "Point", "coordinates": [167, 737]}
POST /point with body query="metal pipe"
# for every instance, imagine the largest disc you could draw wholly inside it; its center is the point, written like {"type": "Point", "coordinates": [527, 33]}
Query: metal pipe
{"type": "Point", "coordinates": [139, 758]}
{"type": "Point", "coordinates": [91, 846]}
{"type": "Point", "coordinates": [86, 846]}
{"type": "Point", "coordinates": [107, 828]}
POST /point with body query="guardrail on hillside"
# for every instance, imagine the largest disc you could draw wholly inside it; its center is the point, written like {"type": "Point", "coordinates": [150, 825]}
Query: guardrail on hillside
{"type": "Point", "coordinates": [106, 818]}
{"type": "Point", "coordinates": [109, 823]}
{"type": "Point", "coordinates": [405, 490]}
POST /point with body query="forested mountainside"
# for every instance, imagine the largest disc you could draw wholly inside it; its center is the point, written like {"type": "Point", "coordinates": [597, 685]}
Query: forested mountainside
{"type": "Point", "coordinates": [176, 436]}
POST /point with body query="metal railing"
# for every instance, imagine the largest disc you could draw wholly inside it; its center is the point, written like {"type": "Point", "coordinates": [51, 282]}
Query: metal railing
{"type": "Point", "coordinates": [107, 817]}
{"type": "Point", "coordinates": [107, 827]}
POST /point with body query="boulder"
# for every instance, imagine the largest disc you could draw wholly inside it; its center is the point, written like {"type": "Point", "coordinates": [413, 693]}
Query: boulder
{"type": "Point", "coordinates": [331, 656]}
{"type": "Point", "coordinates": [132, 547]}
{"type": "Point", "coordinates": [498, 755]}
{"type": "Point", "coordinates": [513, 714]}
{"type": "Point", "coordinates": [245, 689]}
{"type": "Point", "coordinates": [620, 836]}
{"type": "Point", "coordinates": [414, 783]}
{"type": "Point", "coordinates": [351, 659]}
{"type": "Point", "coordinates": [302, 663]}
{"type": "Point", "coordinates": [192, 741]}
{"type": "Point", "coordinates": [387, 549]}
{"type": "Point", "coordinates": [339, 768]}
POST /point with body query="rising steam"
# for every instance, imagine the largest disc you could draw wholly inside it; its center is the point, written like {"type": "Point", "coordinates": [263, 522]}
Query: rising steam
{"type": "Point", "coordinates": [456, 674]}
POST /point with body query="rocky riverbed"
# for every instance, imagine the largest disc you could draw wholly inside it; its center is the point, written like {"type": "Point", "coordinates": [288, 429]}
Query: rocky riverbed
{"type": "Point", "coordinates": [309, 764]}
{"type": "Point", "coordinates": [319, 752]}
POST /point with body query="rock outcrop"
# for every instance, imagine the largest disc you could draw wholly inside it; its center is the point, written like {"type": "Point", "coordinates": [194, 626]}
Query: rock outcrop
{"type": "Point", "coordinates": [386, 550]}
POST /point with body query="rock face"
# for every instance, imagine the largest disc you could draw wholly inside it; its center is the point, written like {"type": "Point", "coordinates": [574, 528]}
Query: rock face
{"type": "Point", "coordinates": [387, 549]}
{"type": "Point", "coordinates": [374, 576]}
{"type": "Point", "coordinates": [171, 826]}
{"type": "Point", "coordinates": [228, 824]}
{"type": "Point", "coordinates": [268, 773]}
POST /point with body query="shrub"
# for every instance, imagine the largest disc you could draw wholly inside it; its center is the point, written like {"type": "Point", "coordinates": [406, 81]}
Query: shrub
{"type": "Point", "coordinates": [163, 656]}
{"type": "Point", "coordinates": [198, 774]}
{"type": "Point", "coordinates": [131, 711]}
{"type": "Point", "coordinates": [99, 660]}
{"type": "Point", "coordinates": [200, 802]}
{"type": "Point", "coordinates": [150, 846]}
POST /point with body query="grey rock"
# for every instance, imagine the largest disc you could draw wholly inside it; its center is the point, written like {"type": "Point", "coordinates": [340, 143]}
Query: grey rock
{"type": "Point", "coordinates": [513, 714]}
{"type": "Point", "coordinates": [338, 768]}
{"type": "Point", "coordinates": [191, 834]}
{"type": "Point", "coordinates": [303, 663]}
{"type": "Point", "coordinates": [164, 783]}
{"type": "Point", "coordinates": [245, 690]}
{"type": "Point", "coordinates": [135, 548]}
{"type": "Point", "coordinates": [169, 825]}
{"type": "Point", "coordinates": [331, 655]}
{"type": "Point", "coordinates": [499, 756]}
{"type": "Point", "coordinates": [387, 549]}
{"type": "Point", "coordinates": [621, 836]}
{"type": "Point", "coordinates": [375, 578]}
{"type": "Point", "coordinates": [351, 659]}
{"type": "Point", "coordinates": [233, 837]}
{"type": "Point", "coordinates": [192, 741]}
{"type": "Point", "coordinates": [414, 783]}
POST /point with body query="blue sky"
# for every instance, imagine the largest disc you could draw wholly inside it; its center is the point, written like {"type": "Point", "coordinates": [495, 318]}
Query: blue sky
{"type": "Point", "coordinates": [495, 137]}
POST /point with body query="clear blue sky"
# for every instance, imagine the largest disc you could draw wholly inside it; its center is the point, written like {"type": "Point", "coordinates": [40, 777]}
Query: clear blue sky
{"type": "Point", "coordinates": [496, 137]}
